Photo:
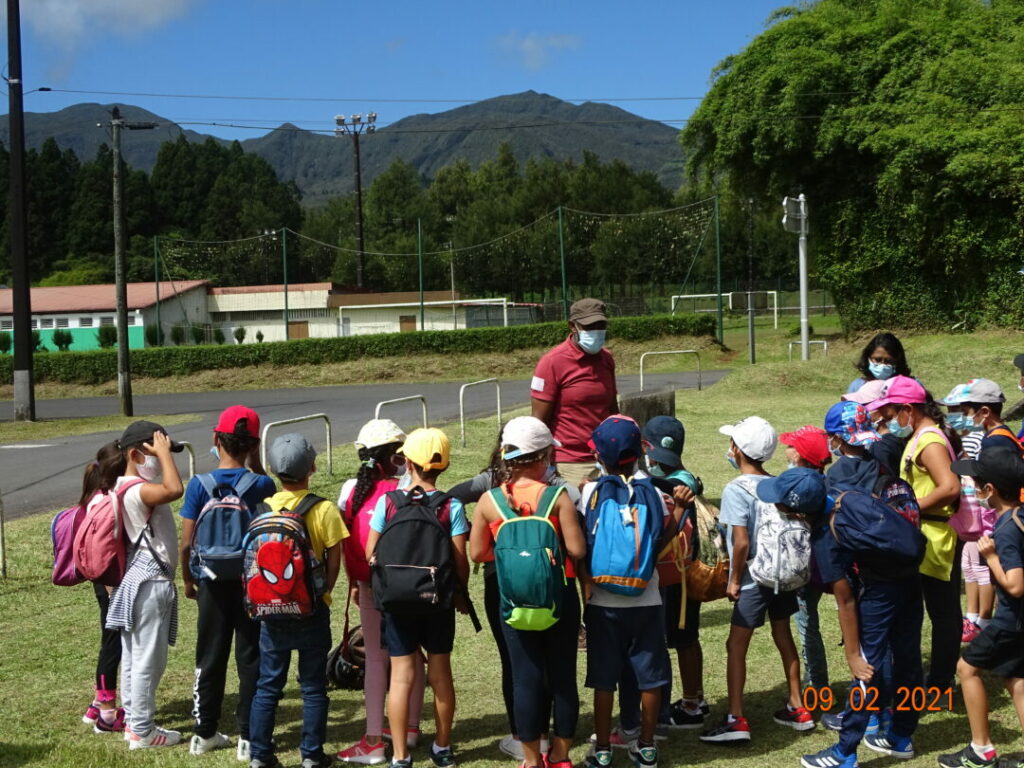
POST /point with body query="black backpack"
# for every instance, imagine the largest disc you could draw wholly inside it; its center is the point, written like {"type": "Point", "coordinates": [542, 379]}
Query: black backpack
{"type": "Point", "coordinates": [413, 573]}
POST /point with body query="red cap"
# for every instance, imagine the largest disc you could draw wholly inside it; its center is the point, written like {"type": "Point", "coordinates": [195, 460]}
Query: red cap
{"type": "Point", "coordinates": [810, 442]}
{"type": "Point", "coordinates": [230, 418]}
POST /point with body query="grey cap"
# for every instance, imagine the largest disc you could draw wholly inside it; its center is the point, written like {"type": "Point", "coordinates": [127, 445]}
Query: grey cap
{"type": "Point", "coordinates": [291, 457]}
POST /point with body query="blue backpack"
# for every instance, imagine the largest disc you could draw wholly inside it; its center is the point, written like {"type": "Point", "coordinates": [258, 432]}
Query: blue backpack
{"type": "Point", "coordinates": [220, 527]}
{"type": "Point", "coordinates": [624, 520]}
{"type": "Point", "coordinates": [884, 524]}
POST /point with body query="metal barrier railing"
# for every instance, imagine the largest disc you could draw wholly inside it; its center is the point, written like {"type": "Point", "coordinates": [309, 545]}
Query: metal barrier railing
{"type": "Point", "coordinates": [409, 399]}
{"type": "Point", "coordinates": [462, 408]}
{"type": "Point", "coordinates": [191, 457]}
{"type": "Point", "coordinates": [327, 426]}
{"type": "Point", "coordinates": [3, 540]}
{"type": "Point", "coordinates": [824, 347]}
{"type": "Point", "coordinates": [694, 352]}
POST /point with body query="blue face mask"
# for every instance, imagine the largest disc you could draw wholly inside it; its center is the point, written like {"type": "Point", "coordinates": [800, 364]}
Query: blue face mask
{"type": "Point", "coordinates": [900, 432]}
{"type": "Point", "coordinates": [654, 469]}
{"type": "Point", "coordinates": [591, 342]}
{"type": "Point", "coordinates": [959, 422]}
{"type": "Point", "coordinates": [881, 371]}
{"type": "Point", "coordinates": [732, 460]}
{"type": "Point", "coordinates": [970, 426]}
{"type": "Point", "coordinates": [215, 453]}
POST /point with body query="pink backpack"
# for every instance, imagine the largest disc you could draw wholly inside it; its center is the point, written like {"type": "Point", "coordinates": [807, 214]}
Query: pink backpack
{"type": "Point", "coordinates": [358, 524]}
{"type": "Point", "coordinates": [100, 541]}
{"type": "Point", "coordinates": [62, 531]}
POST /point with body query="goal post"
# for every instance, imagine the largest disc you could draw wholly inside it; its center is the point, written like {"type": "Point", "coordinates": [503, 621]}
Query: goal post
{"type": "Point", "coordinates": [711, 298]}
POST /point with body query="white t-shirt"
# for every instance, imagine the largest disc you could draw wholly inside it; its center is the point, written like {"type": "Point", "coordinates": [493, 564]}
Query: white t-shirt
{"type": "Point", "coordinates": [602, 597]}
{"type": "Point", "coordinates": [162, 534]}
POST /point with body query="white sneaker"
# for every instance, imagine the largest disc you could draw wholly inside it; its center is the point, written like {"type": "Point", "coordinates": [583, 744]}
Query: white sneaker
{"type": "Point", "coordinates": [158, 737]}
{"type": "Point", "coordinates": [242, 753]}
{"type": "Point", "coordinates": [201, 746]}
{"type": "Point", "coordinates": [512, 747]}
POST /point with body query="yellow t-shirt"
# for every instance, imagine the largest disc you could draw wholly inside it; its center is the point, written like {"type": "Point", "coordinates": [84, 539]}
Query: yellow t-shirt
{"type": "Point", "coordinates": [940, 546]}
{"type": "Point", "coordinates": [323, 522]}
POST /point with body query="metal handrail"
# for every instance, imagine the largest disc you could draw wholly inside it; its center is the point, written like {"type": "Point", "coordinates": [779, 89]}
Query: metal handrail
{"type": "Point", "coordinates": [191, 456]}
{"type": "Point", "coordinates": [694, 352]}
{"type": "Point", "coordinates": [824, 347]}
{"type": "Point", "coordinates": [327, 426]}
{"type": "Point", "coordinates": [462, 409]}
{"type": "Point", "coordinates": [410, 398]}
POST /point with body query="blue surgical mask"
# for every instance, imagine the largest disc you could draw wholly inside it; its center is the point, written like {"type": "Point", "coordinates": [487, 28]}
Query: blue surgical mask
{"type": "Point", "coordinates": [591, 342]}
{"type": "Point", "coordinates": [881, 370]}
{"type": "Point", "coordinates": [900, 432]}
{"type": "Point", "coordinates": [654, 469]}
{"type": "Point", "coordinates": [732, 460]}
{"type": "Point", "coordinates": [215, 453]}
{"type": "Point", "coordinates": [970, 426]}
{"type": "Point", "coordinates": [955, 421]}
{"type": "Point", "coordinates": [792, 465]}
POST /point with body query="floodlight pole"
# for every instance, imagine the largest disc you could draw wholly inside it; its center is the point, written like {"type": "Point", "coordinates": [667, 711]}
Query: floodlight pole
{"type": "Point", "coordinates": [124, 379]}
{"type": "Point", "coordinates": [805, 334]}
{"type": "Point", "coordinates": [718, 275]}
{"type": "Point", "coordinates": [750, 280]}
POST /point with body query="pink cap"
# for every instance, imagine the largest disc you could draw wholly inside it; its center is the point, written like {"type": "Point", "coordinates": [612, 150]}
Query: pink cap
{"type": "Point", "coordinates": [868, 392]}
{"type": "Point", "coordinates": [230, 418]}
{"type": "Point", "coordinates": [902, 390]}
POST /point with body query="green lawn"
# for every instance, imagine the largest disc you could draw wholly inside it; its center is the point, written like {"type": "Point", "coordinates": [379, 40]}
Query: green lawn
{"type": "Point", "coordinates": [49, 634]}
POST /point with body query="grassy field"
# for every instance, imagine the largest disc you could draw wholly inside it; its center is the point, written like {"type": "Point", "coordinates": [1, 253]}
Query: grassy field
{"type": "Point", "coordinates": [49, 635]}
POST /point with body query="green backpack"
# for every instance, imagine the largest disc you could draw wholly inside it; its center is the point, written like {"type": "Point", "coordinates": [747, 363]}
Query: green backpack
{"type": "Point", "coordinates": [528, 558]}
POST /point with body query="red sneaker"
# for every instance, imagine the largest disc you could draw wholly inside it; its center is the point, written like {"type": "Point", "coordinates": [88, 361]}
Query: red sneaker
{"type": "Point", "coordinates": [798, 719]}
{"type": "Point", "coordinates": [970, 631]}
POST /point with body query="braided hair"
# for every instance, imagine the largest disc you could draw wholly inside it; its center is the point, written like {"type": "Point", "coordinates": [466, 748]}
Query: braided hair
{"type": "Point", "coordinates": [374, 467]}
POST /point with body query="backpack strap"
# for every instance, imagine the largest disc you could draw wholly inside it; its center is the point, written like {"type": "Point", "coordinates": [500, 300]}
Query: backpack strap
{"type": "Point", "coordinates": [1004, 431]}
{"type": "Point", "coordinates": [501, 504]}
{"type": "Point", "coordinates": [548, 500]}
{"type": "Point", "coordinates": [245, 483]}
{"type": "Point", "coordinates": [937, 431]}
{"type": "Point", "coordinates": [1015, 516]}
{"type": "Point", "coordinates": [209, 484]}
{"type": "Point", "coordinates": [307, 502]}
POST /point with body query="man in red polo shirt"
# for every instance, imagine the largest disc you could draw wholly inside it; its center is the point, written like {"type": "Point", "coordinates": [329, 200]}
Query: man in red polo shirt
{"type": "Point", "coordinates": [573, 388]}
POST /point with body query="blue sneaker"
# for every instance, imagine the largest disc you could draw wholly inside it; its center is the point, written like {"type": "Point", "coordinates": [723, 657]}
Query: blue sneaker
{"type": "Point", "coordinates": [833, 721]}
{"type": "Point", "coordinates": [829, 758]}
{"type": "Point", "coordinates": [879, 722]}
{"type": "Point", "coordinates": [892, 745]}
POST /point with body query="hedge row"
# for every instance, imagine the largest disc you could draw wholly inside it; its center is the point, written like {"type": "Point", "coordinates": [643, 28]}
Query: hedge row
{"type": "Point", "coordinates": [99, 366]}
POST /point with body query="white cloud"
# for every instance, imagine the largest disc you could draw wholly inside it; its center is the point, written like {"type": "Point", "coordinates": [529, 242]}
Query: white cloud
{"type": "Point", "coordinates": [534, 50]}
{"type": "Point", "coordinates": [68, 23]}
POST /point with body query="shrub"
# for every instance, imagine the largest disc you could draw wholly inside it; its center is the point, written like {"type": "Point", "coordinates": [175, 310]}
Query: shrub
{"type": "Point", "coordinates": [37, 342]}
{"type": "Point", "coordinates": [178, 335]}
{"type": "Point", "coordinates": [157, 362]}
{"type": "Point", "coordinates": [107, 336]}
{"type": "Point", "coordinates": [198, 334]}
{"type": "Point", "coordinates": [155, 336]}
{"type": "Point", "coordinates": [259, 337]}
{"type": "Point", "coordinates": [218, 336]}
{"type": "Point", "coordinates": [5, 343]}
{"type": "Point", "coordinates": [239, 334]}
{"type": "Point", "coordinates": [62, 339]}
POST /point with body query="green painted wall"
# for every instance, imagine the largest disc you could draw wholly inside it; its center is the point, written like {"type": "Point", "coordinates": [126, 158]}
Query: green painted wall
{"type": "Point", "coordinates": [87, 338]}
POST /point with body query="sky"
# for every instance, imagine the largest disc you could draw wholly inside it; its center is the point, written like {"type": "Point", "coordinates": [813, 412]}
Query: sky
{"type": "Point", "coordinates": [308, 60]}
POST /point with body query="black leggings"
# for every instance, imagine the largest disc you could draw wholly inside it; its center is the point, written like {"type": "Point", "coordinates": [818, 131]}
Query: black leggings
{"type": "Point", "coordinates": [544, 670]}
{"type": "Point", "coordinates": [492, 607]}
{"type": "Point", "coordinates": [942, 602]}
{"type": "Point", "coordinates": [109, 658]}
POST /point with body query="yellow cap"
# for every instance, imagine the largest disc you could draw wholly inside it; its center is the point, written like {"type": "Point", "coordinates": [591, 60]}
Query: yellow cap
{"type": "Point", "coordinates": [422, 445]}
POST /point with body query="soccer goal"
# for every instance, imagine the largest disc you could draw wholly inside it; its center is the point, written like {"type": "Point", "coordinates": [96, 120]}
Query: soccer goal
{"type": "Point", "coordinates": [735, 301]}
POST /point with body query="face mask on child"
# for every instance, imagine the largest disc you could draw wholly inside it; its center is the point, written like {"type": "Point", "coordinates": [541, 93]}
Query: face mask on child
{"type": "Point", "coordinates": [900, 431]}
{"type": "Point", "coordinates": [654, 469]}
{"type": "Point", "coordinates": [215, 453]}
{"type": "Point", "coordinates": [149, 470]}
{"type": "Point", "coordinates": [731, 459]}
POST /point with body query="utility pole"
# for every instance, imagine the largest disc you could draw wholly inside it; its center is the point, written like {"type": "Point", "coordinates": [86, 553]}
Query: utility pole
{"type": "Point", "coordinates": [795, 220]}
{"type": "Point", "coordinates": [750, 280]}
{"type": "Point", "coordinates": [354, 126]}
{"type": "Point", "coordinates": [24, 388]}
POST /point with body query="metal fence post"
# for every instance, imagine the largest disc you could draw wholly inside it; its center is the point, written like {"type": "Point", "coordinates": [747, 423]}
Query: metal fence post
{"type": "Point", "coordinates": [693, 352]}
{"type": "Point", "coordinates": [462, 408]}
{"type": "Point", "coordinates": [410, 398]}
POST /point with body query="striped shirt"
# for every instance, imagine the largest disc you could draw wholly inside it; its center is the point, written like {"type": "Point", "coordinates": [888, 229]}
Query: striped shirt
{"type": "Point", "coordinates": [144, 567]}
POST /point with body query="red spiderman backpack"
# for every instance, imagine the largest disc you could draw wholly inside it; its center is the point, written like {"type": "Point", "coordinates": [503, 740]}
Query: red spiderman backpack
{"type": "Point", "coordinates": [282, 576]}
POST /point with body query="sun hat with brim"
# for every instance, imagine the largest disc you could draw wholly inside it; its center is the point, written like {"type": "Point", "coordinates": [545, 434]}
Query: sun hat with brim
{"type": "Point", "coordinates": [810, 442]}
{"type": "Point", "coordinates": [851, 423]}
{"type": "Point", "coordinates": [754, 436]}
{"type": "Point", "coordinates": [980, 391]}
{"type": "Point", "coordinates": [524, 435]}
{"type": "Point", "coordinates": [378, 432]}
{"type": "Point", "coordinates": [902, 390]}
{"type": "Point", "coordinates": [802, 489]}
{"type": "Point", "coordinates": [868, 392]}
{"type": "Point", "coordinates": [422, 445]}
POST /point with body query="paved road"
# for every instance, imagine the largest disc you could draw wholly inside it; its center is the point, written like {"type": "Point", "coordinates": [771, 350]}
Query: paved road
{"type": "Point", "coordinates": [43, 475]}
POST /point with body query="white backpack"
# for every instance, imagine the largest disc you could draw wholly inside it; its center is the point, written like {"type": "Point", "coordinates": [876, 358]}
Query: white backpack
{"type": "Point", "coordinates": [782, 559]}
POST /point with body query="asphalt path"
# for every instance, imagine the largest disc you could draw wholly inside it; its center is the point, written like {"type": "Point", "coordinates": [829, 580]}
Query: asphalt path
{"type": "Point", "coordinates": [43, 475]}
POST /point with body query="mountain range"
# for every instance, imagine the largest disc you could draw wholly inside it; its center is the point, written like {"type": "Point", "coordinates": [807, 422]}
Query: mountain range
{"type": "Point", "coordinates": [533, 124]}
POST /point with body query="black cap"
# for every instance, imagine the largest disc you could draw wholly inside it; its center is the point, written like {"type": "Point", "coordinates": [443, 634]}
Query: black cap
{"type": "Point", "coordinates": [139, 432]}
{"type": "Point", "coordinates": [665, 436]}
{"type": "Point", "coordinates": [1002, 467]}
{"type": "Point", "coordinates": [1018, 363]}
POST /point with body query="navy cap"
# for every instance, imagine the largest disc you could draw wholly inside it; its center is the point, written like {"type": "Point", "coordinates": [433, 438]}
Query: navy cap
{"type": "Point", "coordinates": [1003, 467]}
{"type": "Point", "coordinates": [616, 441]}
{"type": "Point", "coordinates": [665, 436]}
{"type": "Point", "coordinates": [801, 489]}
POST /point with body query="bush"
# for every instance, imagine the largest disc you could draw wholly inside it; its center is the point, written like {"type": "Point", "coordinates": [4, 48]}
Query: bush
{"type": "Point", "coordinates": [178, 335]}
{"type": "Point", "coordinates": [62, 339]}
{"type": "Point", "coordinates": [5, 343]}
{"type": "Point", "coordinates": [218, 336]}
{"type": "Point", "coordinates": [154, 336]}
{"type": "Point", "coordinates": [158, 362]}
{"type": "Point", "coordinates": [107, 336]}
{"type": "Point", "coordinates": [239, 334]}
{"type": "Point", "coordinates": [37, 342]}
{"type": "Point", "coordinates": [198, 334]}
{"type": "Point", "coordinates": [259, 337]}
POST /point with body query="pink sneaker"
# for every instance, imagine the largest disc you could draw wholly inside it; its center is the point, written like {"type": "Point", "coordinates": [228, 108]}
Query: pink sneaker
{"type": "Point", "coordinates": [92, 714]}
{"type": "Point", "coordinates": [363, 753]}
{"type": "Point", "coordinates": [114, 725]}
{"type": "Point", "coordinates": [970, 631]}
{"type": "Point", "coordinates": [412, 736]}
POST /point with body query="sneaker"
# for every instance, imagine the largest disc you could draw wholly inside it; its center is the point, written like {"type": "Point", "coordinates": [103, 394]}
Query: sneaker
{"type": "Point", "coordinates": [157, 737]}
{"type": "Point", "coordinates": [363, 753]}
{"type": "Point", "coordinates": [114, 726]}
{"type": "Point", "coordinates": [643, 757]}
{"type": "Point", "coordinates": [200, 746]}
{"type": "Point", "coordinates": [443, 759]}
{"type": "Point", "coordinates": [679, 718]}
{"type": "Point", "coordinates": [407, 763]}
{"type": "Point", "coordinates": [620, 738]}
{"type": "Point", "coordinates": [512, 747]}
{"type": "Point", "coordinates": [549, 763]}
{"type": "Point", "coordinates": [127, 731]}
{"type": "Point", "coordinates": [599, 758]}
{"type": "Point", "coordinates": [832, 721]}
{"type": "Point", "coordinates": [968, 757]}
{"type": "Point", "coordinates": [242, 751]}
{"type": "Point", "coordinates": [798, 719]}
{"type": "Point", "coordinates": [412, 736]}
{"type": "Point", "coordinates": [270, 762]}
{"type": "Point", "coordinates": [92, 714]}
{"type": "Point", "coordinates": [970, 631]}
{"type": "Point", "coordinates": [829, 758]}
{"type": "Point", "coordinates": [892, 745]}
{"type": "Point", "coordinates": [661, 731]}
{"type": "Point", "coordinates": [879, 722]}
{"type": "Point", "coordinates": [737, 729]}
{"type": "Point", "coordinates": [324, 761]}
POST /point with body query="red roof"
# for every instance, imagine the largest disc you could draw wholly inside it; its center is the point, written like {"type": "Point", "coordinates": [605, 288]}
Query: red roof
{"type": "Point", "coordinates": [95, 298]}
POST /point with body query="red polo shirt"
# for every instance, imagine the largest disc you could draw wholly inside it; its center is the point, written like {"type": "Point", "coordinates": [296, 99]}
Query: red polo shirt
{"type": "Point", "coordinates": [582, 388]}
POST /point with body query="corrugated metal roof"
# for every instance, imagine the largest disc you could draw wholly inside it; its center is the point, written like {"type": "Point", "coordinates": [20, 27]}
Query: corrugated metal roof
{"type": "Point", "coordinates": [95, 298]}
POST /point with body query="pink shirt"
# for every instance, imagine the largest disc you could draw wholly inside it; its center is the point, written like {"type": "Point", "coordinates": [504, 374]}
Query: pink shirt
{"type": "Point", "coordinates": [582, 389]}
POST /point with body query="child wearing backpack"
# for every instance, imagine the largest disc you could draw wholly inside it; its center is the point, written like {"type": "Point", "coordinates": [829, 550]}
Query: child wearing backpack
{"type": "Point", "coordinates": [215, 514]}
{"type": "Point", "coordinates": [867, 548]}
{"type": "Point", "coordinates": [627, 525]}
{"type": "Point", "coordinates": [382, 470]}
{"type": "Point", "coordinates": [417, 554]}
{"type": "Point", "coordinates": [293, 557]}
{"type": "Point", "coordinates": [999, 476]}
{"type": "Point", "coordinates": [539, 604]}
{"type": "Point", "coordinates": [144, 606]}
{"type": "Point", "coordinates": [760, 537]}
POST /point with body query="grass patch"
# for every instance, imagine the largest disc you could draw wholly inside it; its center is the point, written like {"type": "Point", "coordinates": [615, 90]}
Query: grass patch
{"type": "Point", "coordinates": [21, 431]}
{"type": "Point", "coordinates": [49, 635]}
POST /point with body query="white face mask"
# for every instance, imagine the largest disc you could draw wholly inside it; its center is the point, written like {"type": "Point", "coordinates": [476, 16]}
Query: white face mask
{"type": "Point", "coordinates": [149, 470]}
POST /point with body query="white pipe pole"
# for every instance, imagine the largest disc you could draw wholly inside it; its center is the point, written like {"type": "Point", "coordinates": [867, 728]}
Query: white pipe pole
{"type": "Point", "coordinates": [805, 334]}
